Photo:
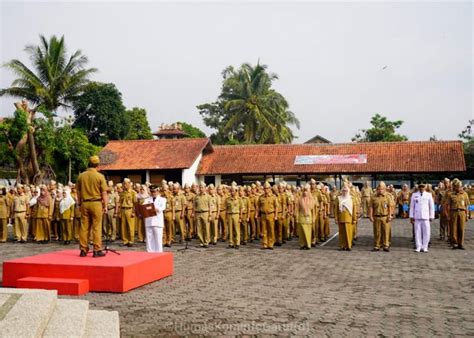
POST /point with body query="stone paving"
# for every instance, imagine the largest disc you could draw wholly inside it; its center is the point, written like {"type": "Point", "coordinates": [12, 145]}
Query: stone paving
{"type": "Point", "coordinates": [219, 291]}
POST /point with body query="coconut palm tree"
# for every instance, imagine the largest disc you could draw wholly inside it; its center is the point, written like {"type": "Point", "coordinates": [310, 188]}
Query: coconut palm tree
{"type": "Point", "coordinates": [259, 113]}
{"type": "Point", "coordinates": [55, 80]}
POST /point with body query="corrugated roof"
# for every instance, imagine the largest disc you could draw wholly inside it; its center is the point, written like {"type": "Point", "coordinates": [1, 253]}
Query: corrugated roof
{"type": "Point", "coordinates": [382, 157]}
{"type": "Point", "coordinates": [152, 154]}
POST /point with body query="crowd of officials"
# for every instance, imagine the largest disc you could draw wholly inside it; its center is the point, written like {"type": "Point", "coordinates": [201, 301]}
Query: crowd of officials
{"type": "Point", "coordinates": [231, 213]}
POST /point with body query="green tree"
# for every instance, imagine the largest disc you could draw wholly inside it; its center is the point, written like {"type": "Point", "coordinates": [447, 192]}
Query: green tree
{"type": "Point", "coordinates": [55, 80]}
{"type": "Point", "coordinates": [249, 110]}
{"type": "Point", "coordinates": [382, 130]}
{"type": "Point", "coordinates": [467, 134]}
{"type": "Point", "coordinates": [139, 128]}
{"type": "Point", "coordinates": [192, 131]}
{"type": "Point", "coordinates": [100, 113]}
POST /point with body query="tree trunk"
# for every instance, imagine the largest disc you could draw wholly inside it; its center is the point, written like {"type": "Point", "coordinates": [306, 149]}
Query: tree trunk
{"type": "Point", "coordinates": [31, 143]}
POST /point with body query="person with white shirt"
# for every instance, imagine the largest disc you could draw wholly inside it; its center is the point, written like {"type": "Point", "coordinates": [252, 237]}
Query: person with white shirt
{"type": "Point", "coordinates": [421, 213]}
{"type": "Point", "coordinates": [154, 225]}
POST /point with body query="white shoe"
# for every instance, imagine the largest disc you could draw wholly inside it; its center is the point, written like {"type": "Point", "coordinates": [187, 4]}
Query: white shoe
{"type": "Point", "coordinates": [425, 250]}
{"type": "Point", "coordinates": [417, 250]}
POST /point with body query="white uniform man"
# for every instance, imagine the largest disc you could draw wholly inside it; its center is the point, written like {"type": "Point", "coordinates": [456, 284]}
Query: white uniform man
{"type": "Point", "coordinates": [154, 224]}
{"type": "Point", "coordinates": [421, 213]}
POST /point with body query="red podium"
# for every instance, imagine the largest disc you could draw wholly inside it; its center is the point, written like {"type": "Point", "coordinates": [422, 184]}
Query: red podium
{"type": "Point", "coordinates": [70, 274]}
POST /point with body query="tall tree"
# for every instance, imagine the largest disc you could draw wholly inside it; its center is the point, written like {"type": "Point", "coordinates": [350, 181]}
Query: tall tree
{"type": "Point", "coordinates": [192, 131]}
{"type": "Point", "coordinates": [139, 128]}
{"type": "Point", "coordinates": [467, 134]}
{"type": "Point", "coordinates": [99, 111]}
{"type": "Point", "coordinates": [382, 130]}
{"type": "Point", "coordinates": [55, 80]}
{"type": "Point", "coordinates": [249, 110]}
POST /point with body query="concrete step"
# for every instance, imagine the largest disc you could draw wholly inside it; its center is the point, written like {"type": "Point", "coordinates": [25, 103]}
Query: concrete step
{"type": "Point", "coordinates": [68, 319]}
{"type": "Point", "coordinates": [25, 313]}
{"type": "Point", "coordinates": [102, 324]}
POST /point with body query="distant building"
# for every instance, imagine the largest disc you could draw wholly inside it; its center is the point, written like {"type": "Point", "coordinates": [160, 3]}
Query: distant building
{"type": "Point", "coordinates": [317, 139]}
{"type": "Point", "coordinates": [197, 160]}
{"type": "Point", "coordinates": [170, 132]}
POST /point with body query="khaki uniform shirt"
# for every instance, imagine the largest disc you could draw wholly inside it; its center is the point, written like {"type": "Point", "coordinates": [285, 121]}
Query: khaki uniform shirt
{"type": "Point", "coordinates": [380, 204]}
{"type": "Point", "coordinates": [179, 202]}
{"type": "Point", "coordinates": [128, 198]}
{"type": "Point", "coordinates": [245, 204]}
{"type": "Point", "coordinates": [4, 207]}
{"type": "Point", "coordinates": [458, 201]}
{"type": "Point", "coordinates": [20, 203]}
{"type": "Point", "coordinates": [233, 205]}
{"type": "Point", "coordinates": [202, 203]}
{"type": "Point", "coordinates": [90, 185]}
{"type": "Point", "coordinates": [189, 201]}
{"type": "Point", "coordinates": [267, 204]}
{"type": "Point", "coordinates": [213, 203]}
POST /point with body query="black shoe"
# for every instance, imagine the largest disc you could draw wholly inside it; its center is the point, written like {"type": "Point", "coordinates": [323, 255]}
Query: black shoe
{"type": "Point", "coordinates": [386, 249]}
{"type": "Point", "coordinates": [205, 246]}
{"type": "Point", "coordinates": [375, 249]}
{"type": "Point", "coordinates": [83, 254]}
{"type": "Point", "coordinates": [236, 247]}
{"type": "Point", "coordinates": [130, 245]}
{"type": "Point", "coordinates": [313, 245]}
{"type": "Point", "coordinates": [98, 254]}
{"type": "Point", "coordinates": [461, 248]}
{"type": "Point", "coordinates": [244, 243]}
{"type": "Point", "coordinates": [270, 248]}
{"type": "Point", "coordinates": [230, 247]}
{"type": "Point", "coordinates": [277, 244]}
{"type": "Point", "coordinates": [306, 248]}
{"type": "Point", "coordinates": [302, 248]}
{"type": "Point", "coordinates": [263, 248]}
{"type": "Point", "coordinates": [349, 249]}
{"type": "Point", "coordinates": [214, 243]}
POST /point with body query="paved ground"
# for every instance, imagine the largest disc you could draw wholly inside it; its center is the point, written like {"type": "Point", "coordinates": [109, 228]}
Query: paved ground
{"type": "Point", "coordinates": [222, 291]}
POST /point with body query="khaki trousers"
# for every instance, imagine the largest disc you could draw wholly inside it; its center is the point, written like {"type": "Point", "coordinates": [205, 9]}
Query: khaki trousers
{"type": "Point", "coordinates": [214, 227]}
{"type": "Point", "coordinates": [20, 226]}
{"type": "Point", "coordinates": [234, 229]}
{"type": "Point", "coordinates": [189, 223]}
{"type": "Point", "coordinates": [267, 223]}
{"type": "Point", "coordinates": [3, 229]}
{"type": "Point", "coordinates": [458, 223]}
{"type": "Point", "coordinates": [179, 223]}
{"type": "Point", "coordinates": [128, 226]}
{"type": "Point", "coordinates": [167, 233]}
{"type": "Point", "coordinates": [140, 223]}
{"type": "Point", "coordinates": [223, 225]}
{"type": "Point", "coordinates": [253, 226]}
{"type": "Point", "coordinates": [365, 206]}
{"type": "Point", "coordinates": [110, 225]}
{"type": "Point", "coordinates": [244, 228]}
{"type": "Point", "coordinates": [381, 232]}
{"type": "Point", "coordinates": [91, 220]}
{"type": "Point", "coordinates": [203, 230]}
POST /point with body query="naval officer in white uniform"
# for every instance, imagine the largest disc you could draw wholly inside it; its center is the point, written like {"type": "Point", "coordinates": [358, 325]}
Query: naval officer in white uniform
{"type": "Point", "coordinates": [154, 224]}
{"type": "Point", "coordinates": [421, 213]}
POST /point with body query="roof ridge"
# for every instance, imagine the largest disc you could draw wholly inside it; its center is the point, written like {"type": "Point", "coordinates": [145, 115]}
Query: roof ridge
{"type": "Point", "coordinates": [163, 140]}
{"type": "Point", "coordinates": [332, 144]}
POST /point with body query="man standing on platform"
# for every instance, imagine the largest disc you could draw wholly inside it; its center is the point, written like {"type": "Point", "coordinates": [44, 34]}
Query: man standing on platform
{"type": "Point", "coordinates": [421, 214]}
{"type": "Point", "coordinates": [92, 198]}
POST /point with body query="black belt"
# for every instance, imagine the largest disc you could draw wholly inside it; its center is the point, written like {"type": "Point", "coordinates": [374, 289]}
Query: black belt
{"type": "Point", "coordinates": [233, 213]}
{"type": "Point", "coordinates": [458, 209]}
{"type": "Point", "coordinates": [19, 212]}
{"type": "Point", "coordinates": [381, 215]}
{"type": "Point", "coordinates": [126, 207]}
{"type": "Point", "coordinates": [96, 200]}
{"type": "Point", "coordinates": [200, 212]}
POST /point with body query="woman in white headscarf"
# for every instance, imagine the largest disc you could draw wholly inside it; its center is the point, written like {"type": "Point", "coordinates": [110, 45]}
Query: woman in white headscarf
{"type": "Point", "coordinates": [345, 216]}
{"type": "Point", "coordinates": [304, 216]}
{"type": "Point", "coordinates": [66, 211]}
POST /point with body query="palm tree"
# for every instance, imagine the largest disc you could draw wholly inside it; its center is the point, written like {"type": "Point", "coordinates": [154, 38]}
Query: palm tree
{"type": "Point", "coordinates": [257, 112]}
{"type": "Point", "coordinates": [55, 81]}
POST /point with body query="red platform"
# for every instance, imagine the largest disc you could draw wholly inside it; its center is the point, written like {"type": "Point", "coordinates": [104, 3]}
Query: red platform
{"type": "Point", "coordinates": [66, 272]}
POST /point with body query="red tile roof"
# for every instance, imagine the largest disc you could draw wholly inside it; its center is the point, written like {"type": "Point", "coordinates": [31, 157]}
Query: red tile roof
{"type": "Point", "coordinates": [382, 157]}
{"type": "Point", "coordinates": [152, 154]}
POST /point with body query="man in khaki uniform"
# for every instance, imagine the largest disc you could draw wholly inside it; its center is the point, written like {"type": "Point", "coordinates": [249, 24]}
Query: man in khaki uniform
{"type": "Point", "coordinates": [126, 203]}
{"type": "Point", "coordinates": [244, 219]}
{"type": "Point", "coordinates": [317, 202]}
{"type": "Point", "coordinates": [4, 214]}
{"type": "Point", "coordinates": [267, 211]}
{"type": "Point", "coordinates": [380, 215]}
{"type": "Point", "coordinates": [214, 214]}
{"type": "Point", "coordinates": [188, 215]}
{"type": "Point", "coordinates": [168, 236]}
{"type": "Point", "coordinates": [234, 215]}
{"type": "Point", "coordinates": [92, 197]}
{"type": "Point", "coordinates": [282, 211]}
{"type": "Point", "coordinates": [458, 204]}
{"type": "Point", "coordinates": [20, 212]}
{"type": "Point", "coordinates": [222, 214]}
{"type": "Point", "coordinates": [202, 208]}
{"type": "Point", "coordinates": [109, 220]}
{"type": "Point", "coordinates": [179, 207]}
{"type": "Point", "coordinates": [367, 193]}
